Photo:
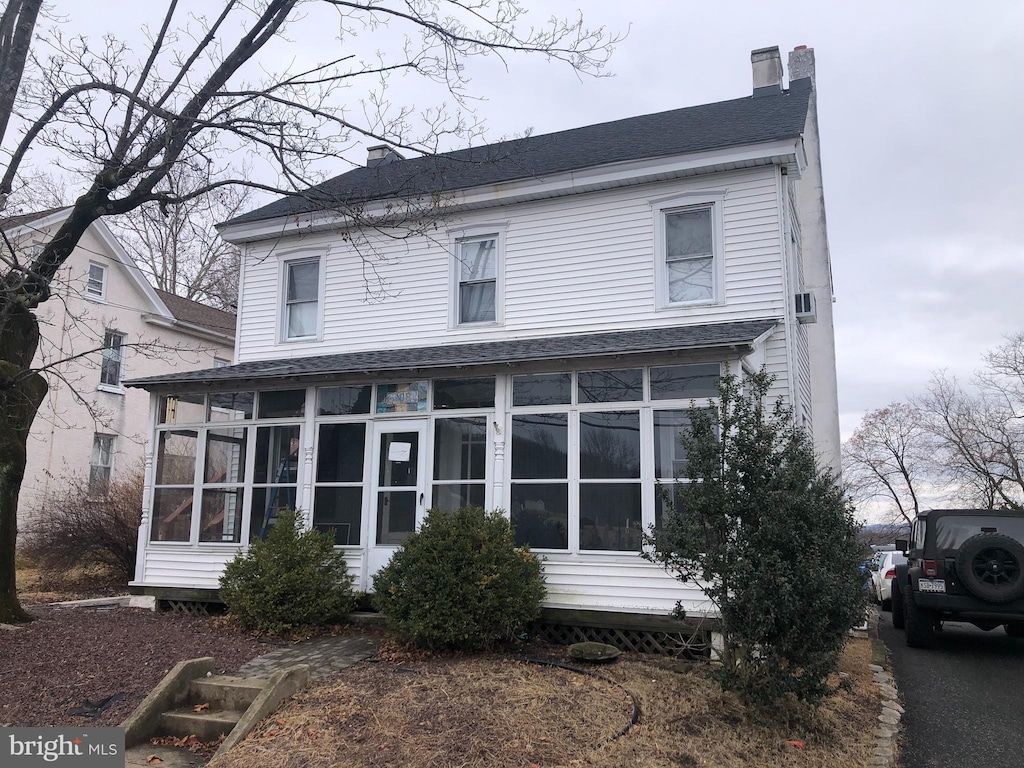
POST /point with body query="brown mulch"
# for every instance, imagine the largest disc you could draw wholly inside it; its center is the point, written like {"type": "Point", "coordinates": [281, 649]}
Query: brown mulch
{"type": "Point", "coordinates": [69, 656]}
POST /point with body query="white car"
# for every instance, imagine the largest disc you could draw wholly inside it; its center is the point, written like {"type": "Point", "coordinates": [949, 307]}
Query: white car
{"type": "Point", "coordinates": [882, 575]}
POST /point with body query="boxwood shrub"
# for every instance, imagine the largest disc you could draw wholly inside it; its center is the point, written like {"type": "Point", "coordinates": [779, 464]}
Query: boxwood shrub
{"type": "Point", "coordinates": [292, 579]}
{"type": "Point", "coordinates": [460, 582]}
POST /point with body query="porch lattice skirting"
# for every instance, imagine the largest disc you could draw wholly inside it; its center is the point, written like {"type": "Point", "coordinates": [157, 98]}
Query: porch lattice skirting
{"type": "Point", "coordinates": [690, 643]}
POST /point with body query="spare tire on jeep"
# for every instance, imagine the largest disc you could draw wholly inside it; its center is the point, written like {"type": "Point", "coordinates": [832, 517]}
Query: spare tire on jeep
{"type": "Point", "coordinates": [991, 566]}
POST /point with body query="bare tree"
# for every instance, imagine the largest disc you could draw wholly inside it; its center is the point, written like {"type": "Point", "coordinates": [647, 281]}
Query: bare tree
{"type": "Point", "coordinates": [888, 460]}
{"type": "Point", "coordinates": [177, 246]}
{"type": "Point", "coordinates": [981, 430]}
{"type": "Point", "coordinates": [120, 120]}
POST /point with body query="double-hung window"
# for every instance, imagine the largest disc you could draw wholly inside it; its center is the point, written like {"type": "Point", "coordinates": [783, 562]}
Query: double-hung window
{"type": "Point", "coordinates": [101, 464]}
{"type": "Point", "coordinates": [96, 282]}
{"type": "Point", "coordinates": [112, 365]}
{"type": "Point", "coordinates": [477, 269]}
{"type": "Point", "coordinates": [688, 250]}
{"type": "Point", "coordinates": [301, 299]}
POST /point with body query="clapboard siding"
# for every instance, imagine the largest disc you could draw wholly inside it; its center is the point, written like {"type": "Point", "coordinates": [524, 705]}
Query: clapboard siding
{"type": "Point", "coordinates": [803, 376]}
{"type": "Point", "coordinates": [595, 583]}
{"type": "Point", "coordinates": [578, 263]}
{"type": "Point", "coordinates": [188, 567]}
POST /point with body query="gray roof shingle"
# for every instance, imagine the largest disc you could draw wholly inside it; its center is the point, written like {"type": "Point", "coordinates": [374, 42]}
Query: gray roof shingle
{"type": "Point", "coordinates": [737, 122]}
{"type": "Point", "coordinates": [651, 340]}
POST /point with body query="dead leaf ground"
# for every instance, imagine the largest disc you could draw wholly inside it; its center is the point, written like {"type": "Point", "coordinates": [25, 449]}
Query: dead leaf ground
{"type": "Point", "coordinates": [495, 711]}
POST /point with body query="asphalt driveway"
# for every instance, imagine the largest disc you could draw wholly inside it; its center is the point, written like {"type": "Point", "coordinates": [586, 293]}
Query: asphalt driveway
{"type": "Point", "coordinates": [964, 697]}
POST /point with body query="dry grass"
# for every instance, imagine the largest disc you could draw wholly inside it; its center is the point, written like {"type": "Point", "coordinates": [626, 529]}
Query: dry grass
{"type": "Point", "coordinates": [494, 711]}
{"type": "Point", "coordinates": [37, 585]}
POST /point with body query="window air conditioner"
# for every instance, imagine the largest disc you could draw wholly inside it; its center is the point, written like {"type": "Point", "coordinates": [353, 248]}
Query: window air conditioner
{"type": "Point", "coordinates": [805, 311]}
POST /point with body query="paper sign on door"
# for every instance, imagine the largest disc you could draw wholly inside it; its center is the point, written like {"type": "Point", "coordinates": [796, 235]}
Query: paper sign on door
{"type": "Point", "coordinates": [399, 451]}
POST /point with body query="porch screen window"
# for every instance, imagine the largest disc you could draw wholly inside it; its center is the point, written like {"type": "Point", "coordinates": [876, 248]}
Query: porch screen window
{"type": "Point", "coordinates": [540, 486]}
{"type": "Point", "coordinates": [302, 298]}
{"type": "Point", "coordinates": [610, 511]}
{"type": "Point", "coordinates": [223, 476]}
{"type": "Point", "coordinates": [460, 462]}
{"type": "Point", "coordinates": [689, 255]}
{"type": "Point", "coordinates": [112, 363]}
{"type": "Point", "coordinates": [101, 464]}
{"type": "Point", "coordinates": [478, 271]}
{"type": "Point", "coordinates": [338, 503]}
{"type": "Point", "coordinates": [670, 427]}
{"type": "Point", "coordinates": [174, 485]}
{"type": "Point", "coordinates": [275, 476]}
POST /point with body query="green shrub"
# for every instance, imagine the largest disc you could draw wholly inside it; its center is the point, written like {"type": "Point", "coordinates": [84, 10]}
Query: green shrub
{"type": "Point", "coordinates": [292, 579]}
{"type": "Point", "coordinates": [460, 582]}
{"type": "Point", "coordinates": [771, 537]}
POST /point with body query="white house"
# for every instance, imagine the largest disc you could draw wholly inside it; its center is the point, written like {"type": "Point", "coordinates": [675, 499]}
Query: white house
{"type": "Point", "coordinates": [533, 343]}
{"type": "Point", "coordinates": [105, 324]}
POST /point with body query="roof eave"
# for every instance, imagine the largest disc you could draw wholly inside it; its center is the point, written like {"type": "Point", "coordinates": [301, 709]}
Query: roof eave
{"type": "Point", "coordinates": [787, 152]}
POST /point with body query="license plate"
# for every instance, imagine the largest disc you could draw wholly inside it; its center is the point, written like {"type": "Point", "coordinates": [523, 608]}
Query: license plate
{"type": "Point", "coordinates": [929, 585]}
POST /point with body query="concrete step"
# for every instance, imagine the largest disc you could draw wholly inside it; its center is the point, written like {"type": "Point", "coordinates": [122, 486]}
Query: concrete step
{"type": "Point", "coordinates": [207, 725]}
{"type": "Point", "coordinates": [226, 691]}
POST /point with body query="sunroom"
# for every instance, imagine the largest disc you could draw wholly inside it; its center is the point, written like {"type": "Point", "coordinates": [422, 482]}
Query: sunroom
{"type": "Point", "coordinates": [571, 436]}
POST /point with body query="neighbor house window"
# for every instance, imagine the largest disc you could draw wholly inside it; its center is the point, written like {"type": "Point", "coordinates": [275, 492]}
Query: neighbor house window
{"type": "Point", "coordinates": [96, 283]}
{"type": "Point", "coordinates": [101, 464]}
{"type": "Point", "coordinates": [477, 269]}
{"type": "Point", "coordinates": [112, 366]}
{"type": "Point", "coordinates": [301, 299]}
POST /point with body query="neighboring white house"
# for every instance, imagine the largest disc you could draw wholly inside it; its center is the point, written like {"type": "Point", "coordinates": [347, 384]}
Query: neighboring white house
{"type": "Point", "coordinates": [104, 324]}
{"type": "Point", "coordinates": [535, 347]}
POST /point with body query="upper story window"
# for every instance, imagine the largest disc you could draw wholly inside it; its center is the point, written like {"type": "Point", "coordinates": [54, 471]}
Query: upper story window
{"type": "Point", "coordinates": [112, 366]}
{"type": "Point", "coordinates": [301, 299]}
{"type": "Point", "coordinates": [96, 283]}
{"type": "Point", "coordinates": [689, 255]}
{"type": "Point", "coordinates": [478, 280]}
{"type": "Point", "coordinates": [688, 248]}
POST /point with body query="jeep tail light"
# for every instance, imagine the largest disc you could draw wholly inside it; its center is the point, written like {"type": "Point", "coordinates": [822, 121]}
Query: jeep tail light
{"type": "Point", "coordinates": [890, 574]}
{"type": "Point", "coordinates": [931, 568]}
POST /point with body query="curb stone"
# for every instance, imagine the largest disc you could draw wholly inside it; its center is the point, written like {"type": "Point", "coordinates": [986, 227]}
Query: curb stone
{"type": "Point", "coordinates": [887, 732]}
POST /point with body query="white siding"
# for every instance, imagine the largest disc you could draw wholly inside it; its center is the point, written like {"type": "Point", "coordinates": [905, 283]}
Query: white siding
{"type": "Point", "coordinates": [583, 263]}
{"type": "Point", "coordinates": [196, 568]}
{"type": "Point", "coordinates": [630, 586]}
{"type": "Point", "coordinates": [803, 377]}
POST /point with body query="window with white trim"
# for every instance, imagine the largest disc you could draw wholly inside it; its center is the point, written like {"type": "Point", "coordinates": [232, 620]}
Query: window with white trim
{"type": "Point", "coordinates": [96, 282]}
{"type": "Point", "coordinates": [101, 464]}
{"type": "Point", "coordinates": [301, 308]}
{"type": "Point", "coordinates": [688, 249]}
{"type": "Point", "coordinates": [112, 363]}
{"type": "Point", "coordinates": [477, 267]}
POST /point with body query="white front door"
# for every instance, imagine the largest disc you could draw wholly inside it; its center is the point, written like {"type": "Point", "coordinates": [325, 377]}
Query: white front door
{"type": "Point", "coordinates": [398, 502]}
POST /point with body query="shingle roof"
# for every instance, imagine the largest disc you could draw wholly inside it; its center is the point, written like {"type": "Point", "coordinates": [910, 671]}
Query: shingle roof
{"type": "Point", "coordinates": [10, 222]}
{"type": "Point", "coordinates": [676, 338]}
{"type": "Point", "coordinates": [737, 122]}
{"type": "Point", "coordinates": [193, 312]}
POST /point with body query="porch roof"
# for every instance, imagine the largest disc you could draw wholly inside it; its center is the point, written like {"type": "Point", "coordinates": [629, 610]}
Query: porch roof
{"type": "Point", "coordinates": [645, 341]}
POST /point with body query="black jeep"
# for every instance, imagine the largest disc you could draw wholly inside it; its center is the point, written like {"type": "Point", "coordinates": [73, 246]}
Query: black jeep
{"type": "Point", "coordinates": [962, 565]}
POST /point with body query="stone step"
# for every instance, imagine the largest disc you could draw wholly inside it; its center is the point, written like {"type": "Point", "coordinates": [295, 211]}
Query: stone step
{"type": "Point", "coordinates": [207, 725]}
{"type": "Point", "coordinates": [226, 691]}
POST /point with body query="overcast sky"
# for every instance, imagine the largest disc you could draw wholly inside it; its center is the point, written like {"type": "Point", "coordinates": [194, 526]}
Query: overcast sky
{"type": "Point", "coordinates": [921, 106]}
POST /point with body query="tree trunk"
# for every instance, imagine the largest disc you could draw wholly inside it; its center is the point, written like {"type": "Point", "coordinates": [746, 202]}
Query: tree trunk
{"type": "Point", "coordinates": [21, 392]}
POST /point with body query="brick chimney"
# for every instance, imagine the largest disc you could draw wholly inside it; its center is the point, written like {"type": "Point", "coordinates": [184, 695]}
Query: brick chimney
{"type": "Point", "coordinates": [767, 66]}
{"type": "Point", "coordinates": [801, 68]}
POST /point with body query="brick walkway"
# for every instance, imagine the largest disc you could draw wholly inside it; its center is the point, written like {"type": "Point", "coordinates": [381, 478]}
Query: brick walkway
{"type": "Point", "coordinates": [323, 654]}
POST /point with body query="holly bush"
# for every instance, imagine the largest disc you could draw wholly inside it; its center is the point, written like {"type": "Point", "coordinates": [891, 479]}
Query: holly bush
{"type": "Point", "coordinates": [771, 537]}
